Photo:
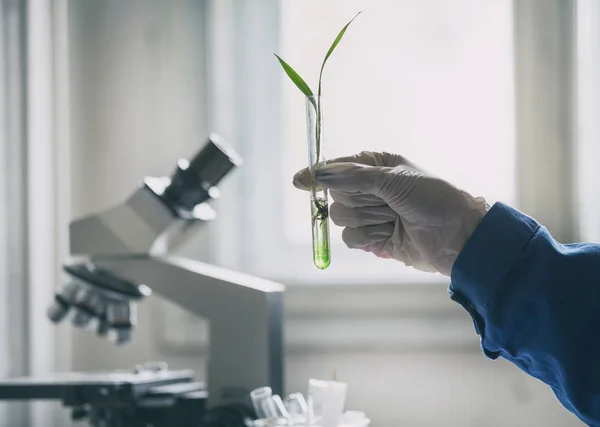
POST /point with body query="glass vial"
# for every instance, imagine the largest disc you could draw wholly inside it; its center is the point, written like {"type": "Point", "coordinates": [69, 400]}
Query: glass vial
{"type": "Point", "coordinates": [319, 203]}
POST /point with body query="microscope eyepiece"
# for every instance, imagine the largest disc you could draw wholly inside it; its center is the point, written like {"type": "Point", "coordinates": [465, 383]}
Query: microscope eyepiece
{"type": "Point", "coordinates": [195, 181]}
{"type": "Point", "coordinates": [214, 161]}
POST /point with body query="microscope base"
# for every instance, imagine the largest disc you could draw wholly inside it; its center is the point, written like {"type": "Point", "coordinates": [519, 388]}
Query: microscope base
{"type": "Point", "coordinates": [128, 399]}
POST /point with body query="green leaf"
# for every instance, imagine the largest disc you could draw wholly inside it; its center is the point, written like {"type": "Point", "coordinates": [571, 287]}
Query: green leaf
{"type": "Point", "coordinates": [333, 46]}
{"type": "Point", "coordinates": [298, 81]}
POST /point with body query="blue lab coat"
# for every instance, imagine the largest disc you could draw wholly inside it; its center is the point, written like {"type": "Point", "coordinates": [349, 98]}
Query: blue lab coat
{"type": "Point", "coordinates": [536, 303]}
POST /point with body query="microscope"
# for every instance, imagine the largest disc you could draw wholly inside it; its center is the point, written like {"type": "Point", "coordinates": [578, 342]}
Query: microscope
{"type": "Point", "coordinates": [122, 255]}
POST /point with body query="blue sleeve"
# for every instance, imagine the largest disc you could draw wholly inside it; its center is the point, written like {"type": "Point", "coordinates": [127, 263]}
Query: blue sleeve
{"type": "Point", "coordinates": [536, 303]}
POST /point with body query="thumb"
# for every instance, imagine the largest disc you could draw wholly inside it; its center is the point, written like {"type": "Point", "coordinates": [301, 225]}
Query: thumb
{"type": "Point", "coordinates": [351, 177]}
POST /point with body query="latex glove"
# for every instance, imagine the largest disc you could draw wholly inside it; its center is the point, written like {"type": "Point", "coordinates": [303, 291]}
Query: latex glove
{"type": "Point", "coordinates": [394, 209]}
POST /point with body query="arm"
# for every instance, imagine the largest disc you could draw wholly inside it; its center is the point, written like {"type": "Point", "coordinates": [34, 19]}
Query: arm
{"type": "Point", "coordinates": [536, 303]}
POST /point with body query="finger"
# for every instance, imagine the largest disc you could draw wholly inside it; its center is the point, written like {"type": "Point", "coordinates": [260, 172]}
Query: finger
{"type": "Point", "coordinates": [351, 177]}
{"type": "Point", "coordinates": [357, 200]}
{"type": "Point", "coordinates": [360, 217]}
{"type": "Point", "coordinates": [371, 158]}
{"type": "Point", "coordinates": [366, 237]}
{"type": "Point", "coordinates": [303, 179]}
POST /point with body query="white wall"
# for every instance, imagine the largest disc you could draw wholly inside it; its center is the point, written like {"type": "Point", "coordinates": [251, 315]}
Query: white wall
{"type": "Point", "coordinates": [137, 86]}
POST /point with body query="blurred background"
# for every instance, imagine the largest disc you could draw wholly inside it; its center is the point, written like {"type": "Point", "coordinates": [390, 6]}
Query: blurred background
{"type": "Point", "coordinates": [500, 97]}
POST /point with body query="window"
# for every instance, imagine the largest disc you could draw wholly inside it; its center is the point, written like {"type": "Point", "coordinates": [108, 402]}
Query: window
{"type": "Point", "coordinates": [432, 80]}
{"type": "Point", "coordinates": [588, 95]}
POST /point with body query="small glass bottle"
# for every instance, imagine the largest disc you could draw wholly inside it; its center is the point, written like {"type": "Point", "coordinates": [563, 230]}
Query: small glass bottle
{"type": "Point", "coordinates": [318, 196]}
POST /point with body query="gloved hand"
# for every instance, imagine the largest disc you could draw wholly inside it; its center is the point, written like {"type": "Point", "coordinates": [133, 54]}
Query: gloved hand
{"type": "Point", "coordinates": [394, 209]}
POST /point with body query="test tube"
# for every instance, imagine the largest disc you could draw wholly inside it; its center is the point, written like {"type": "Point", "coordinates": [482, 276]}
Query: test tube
{"type": "Point", "coordinates": [297, 408]}
{"type": "Point", "coordinates": [282, 411]}
{"type": "Point", "coordinates": [318, 196]}
{"type": "Point", "coordinates": [296, 404]}
{"type": "Point", "coordinates": [273, 408]}
{"type": "Point", "coordinates": [259, 396]}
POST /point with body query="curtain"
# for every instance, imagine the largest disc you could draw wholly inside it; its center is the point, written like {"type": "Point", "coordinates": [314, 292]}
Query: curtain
{"type": "Point", "coordinates": [13, 232]}
{"type": "Point", "coordinates": [33, 208]}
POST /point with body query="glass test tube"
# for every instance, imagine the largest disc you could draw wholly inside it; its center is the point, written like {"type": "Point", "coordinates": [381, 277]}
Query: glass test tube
{"type": "Point", "coordinates": [259, 396]}
{"type": "Point", "coordinates": [318, 196]}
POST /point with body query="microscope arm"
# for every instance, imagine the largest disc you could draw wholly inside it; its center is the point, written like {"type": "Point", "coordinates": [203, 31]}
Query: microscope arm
{"type": "Point", "coordinates": [244, 314]}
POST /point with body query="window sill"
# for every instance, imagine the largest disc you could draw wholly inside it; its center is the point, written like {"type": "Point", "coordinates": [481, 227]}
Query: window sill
{"type": "Point", "coordinates": [360, 318]}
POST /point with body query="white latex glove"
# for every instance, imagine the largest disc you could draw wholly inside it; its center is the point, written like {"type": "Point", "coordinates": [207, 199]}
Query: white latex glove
{"type": "Point", "coordinates": [394, 209]}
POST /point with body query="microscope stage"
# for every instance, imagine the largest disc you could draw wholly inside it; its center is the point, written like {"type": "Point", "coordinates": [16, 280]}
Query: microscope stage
{"type": "Point", "coordinates": [75, 389]}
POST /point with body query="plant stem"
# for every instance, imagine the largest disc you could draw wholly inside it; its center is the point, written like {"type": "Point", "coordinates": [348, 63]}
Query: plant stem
{"type": "Point", "coordinates": [318, 129]}
{"type": "Point", "coordinates": [317, 108]}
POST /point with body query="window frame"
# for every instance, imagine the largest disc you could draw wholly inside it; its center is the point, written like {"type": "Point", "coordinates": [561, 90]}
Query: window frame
{"type": "Point", "coordinates": [546, 114]}
{"type": "Point", "coordinates": [588, 109]}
